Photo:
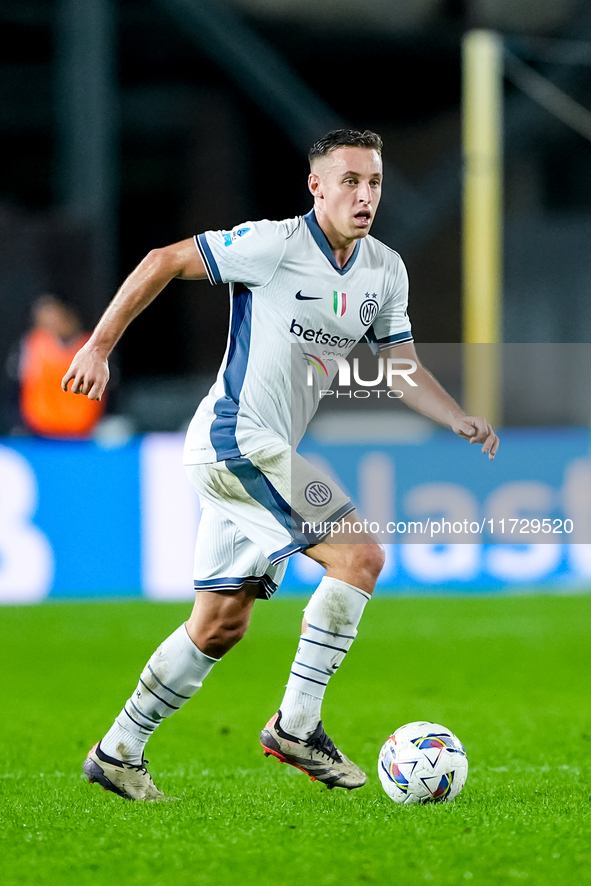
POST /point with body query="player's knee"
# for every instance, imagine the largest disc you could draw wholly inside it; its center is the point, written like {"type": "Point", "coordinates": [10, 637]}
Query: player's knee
{"type": "Point", "coordinates": [362, 564]}
{"type": "Point", "coordinates": [221, 635]}
{"type": "Point", "coordinates": [370, 559]}
{"type": "Point", "coordinates": [358, 564]}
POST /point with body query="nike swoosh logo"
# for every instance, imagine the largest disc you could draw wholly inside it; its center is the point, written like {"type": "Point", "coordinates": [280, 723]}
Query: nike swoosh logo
{"type": "Point", "coordinates": [301, 297]}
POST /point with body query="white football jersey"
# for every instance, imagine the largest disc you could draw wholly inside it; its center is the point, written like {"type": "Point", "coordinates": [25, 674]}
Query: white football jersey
{"type": "Point", "coordinates": [292, 307]}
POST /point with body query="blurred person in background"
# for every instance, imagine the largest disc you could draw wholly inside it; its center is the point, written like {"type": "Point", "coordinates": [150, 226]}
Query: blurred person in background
{"type": "Point", "coordinates": [35, 367]}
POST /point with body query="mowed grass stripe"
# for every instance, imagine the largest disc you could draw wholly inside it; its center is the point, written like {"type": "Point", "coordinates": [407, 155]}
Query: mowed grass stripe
{"type": "Point", "coordinates": [509, 675]}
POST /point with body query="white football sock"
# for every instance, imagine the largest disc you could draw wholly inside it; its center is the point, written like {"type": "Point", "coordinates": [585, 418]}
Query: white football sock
{"type": "Point", "coordinates": [173, 674]}
{"type": "Point", "coordinates": [333, 613]}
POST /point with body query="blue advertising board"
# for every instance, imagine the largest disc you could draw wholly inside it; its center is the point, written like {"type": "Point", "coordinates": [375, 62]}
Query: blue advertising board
{"type": "Point", "coordinates": [78, 520]}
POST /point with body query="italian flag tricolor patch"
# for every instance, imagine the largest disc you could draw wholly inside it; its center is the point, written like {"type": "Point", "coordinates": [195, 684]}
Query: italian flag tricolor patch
{"type": "Point", "coordinates": [339, 303]}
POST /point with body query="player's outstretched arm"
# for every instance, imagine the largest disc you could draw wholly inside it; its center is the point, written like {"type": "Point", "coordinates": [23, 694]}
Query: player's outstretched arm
{"type": "Point", "coordinates": [89, 370]}
{"type": "Point", "coordinates": [429, 398]}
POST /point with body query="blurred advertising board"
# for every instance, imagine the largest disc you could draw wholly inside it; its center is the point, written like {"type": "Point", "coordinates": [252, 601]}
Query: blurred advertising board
{"type": "Point", "coordinates": [78, 520]}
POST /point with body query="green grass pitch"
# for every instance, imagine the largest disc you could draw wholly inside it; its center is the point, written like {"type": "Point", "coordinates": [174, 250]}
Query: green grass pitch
{"type": "Point", "coordinates": [510, 675]}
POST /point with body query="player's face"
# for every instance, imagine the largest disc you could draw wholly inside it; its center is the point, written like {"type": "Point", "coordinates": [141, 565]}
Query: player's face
{"type": "Point", "coordinates": [347, 185]}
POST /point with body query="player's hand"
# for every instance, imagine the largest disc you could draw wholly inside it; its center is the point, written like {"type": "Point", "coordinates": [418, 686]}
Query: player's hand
{"type": "Point", "coordinates": [88, 372]}
{"type": "Point", "coordinates": [477, 430]}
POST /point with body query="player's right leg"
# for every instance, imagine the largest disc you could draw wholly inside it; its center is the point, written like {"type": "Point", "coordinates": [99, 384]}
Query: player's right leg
{"type": "Point", "coordinates": [173, 674]}
{"type": "Point", "coordinates": [230, 572]}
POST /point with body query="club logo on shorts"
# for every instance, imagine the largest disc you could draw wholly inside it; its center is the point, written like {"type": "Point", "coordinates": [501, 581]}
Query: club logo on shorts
{"type": "Point", "coordinates": [368, 311]}
{"type": "Point", "coordinates": [318, 493]}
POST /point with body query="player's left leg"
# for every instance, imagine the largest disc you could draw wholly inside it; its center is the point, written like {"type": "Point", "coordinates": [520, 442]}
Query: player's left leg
{"type": "Point", "coordinates": [296, 734]}
{"type": "Point", "coordinates": [282, 504]}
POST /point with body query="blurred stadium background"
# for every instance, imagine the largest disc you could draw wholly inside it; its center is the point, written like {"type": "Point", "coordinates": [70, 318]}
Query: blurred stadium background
{"type": "Point", "coordinates": [128, 124]}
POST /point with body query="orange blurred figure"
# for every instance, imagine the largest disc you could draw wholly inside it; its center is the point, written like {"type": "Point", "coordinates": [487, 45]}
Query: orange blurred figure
{"type": "Point", "coordinates": [46, 352]}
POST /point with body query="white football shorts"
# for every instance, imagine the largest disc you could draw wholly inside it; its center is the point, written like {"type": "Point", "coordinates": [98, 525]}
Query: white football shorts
{"type": "Point", "coordinates": [257, 512]}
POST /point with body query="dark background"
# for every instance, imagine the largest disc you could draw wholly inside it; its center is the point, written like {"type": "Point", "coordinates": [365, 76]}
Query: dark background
{"type": "Point", "coordinates": [185, 143]}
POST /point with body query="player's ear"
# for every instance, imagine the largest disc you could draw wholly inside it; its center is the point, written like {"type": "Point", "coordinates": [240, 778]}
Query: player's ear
{"type": "Point", "coordinates": [314, 185]}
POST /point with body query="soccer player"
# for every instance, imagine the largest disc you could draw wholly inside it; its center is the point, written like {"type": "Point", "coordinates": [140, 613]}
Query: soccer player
{"type": "Point", "coordinates": [307, 287]}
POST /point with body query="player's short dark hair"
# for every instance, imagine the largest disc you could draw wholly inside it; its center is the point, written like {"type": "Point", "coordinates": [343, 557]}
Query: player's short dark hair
{"type": "Point", "coordinates": [344, 138]}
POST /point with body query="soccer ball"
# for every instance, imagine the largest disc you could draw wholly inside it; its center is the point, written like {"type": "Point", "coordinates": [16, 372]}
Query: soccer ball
{"type": "Point", "coordinates": [423, 763]}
